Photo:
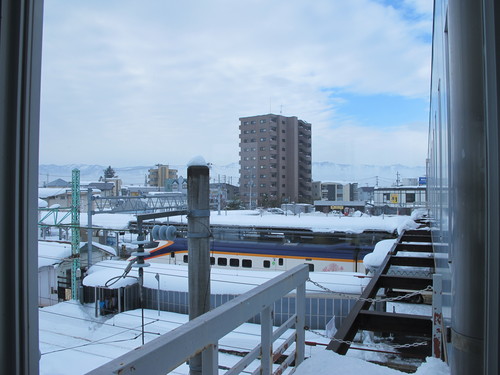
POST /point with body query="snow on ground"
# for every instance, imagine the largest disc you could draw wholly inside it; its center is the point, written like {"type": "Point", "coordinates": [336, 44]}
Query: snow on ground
{"type": "Point", "coordinates": [223, 281]}
{"type": "Point", "coordinates": [73, 341]}
{"type": "Point", "coordinates": [327, 362]}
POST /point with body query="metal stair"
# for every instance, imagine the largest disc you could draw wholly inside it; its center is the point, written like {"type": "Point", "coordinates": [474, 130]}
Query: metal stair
{"type": "Point", "coordinates": [363, 317]}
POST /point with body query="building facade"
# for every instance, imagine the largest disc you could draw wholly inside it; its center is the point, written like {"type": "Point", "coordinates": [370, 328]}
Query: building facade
{"type": "Point", "coordinates": [335, 191]}
{"type": "Point", "coordinates": [400, 199]}
{"type": "Point", "coordinates": [159, 175]}
{"type": "Point", "coordinates": [275, 160]}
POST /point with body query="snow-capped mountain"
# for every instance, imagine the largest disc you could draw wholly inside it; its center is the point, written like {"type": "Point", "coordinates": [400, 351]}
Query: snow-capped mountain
{"type": "Point", "coordinates": [321, 171]}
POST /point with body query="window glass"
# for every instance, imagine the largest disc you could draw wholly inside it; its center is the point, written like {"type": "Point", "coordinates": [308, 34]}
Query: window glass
{"type": "Point", "coordinates": [222, 261]}
{"type": "Point", "coordinates": [233, 262]}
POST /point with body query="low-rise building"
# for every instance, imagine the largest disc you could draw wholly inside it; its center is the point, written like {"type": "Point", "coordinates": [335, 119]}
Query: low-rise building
{"type": "Point", "coordinates": [399, 199]}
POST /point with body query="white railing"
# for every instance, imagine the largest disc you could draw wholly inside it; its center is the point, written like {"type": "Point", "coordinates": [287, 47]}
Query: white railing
{"type": "Point", "coordinates": [201, 335]}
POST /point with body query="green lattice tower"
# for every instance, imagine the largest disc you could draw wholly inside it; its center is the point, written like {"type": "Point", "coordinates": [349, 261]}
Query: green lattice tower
{"type": "Point", "coordinates": [75, 231]}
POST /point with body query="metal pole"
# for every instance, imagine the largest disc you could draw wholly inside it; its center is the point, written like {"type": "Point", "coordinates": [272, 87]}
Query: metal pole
{"type": "Point", "coordinates": [157, 277]}
{"type": "Point", "coordinates": [198, 247]}
{"type": "Point", "coordinates": [437, 315]}
{"type": "Point", "coordinates": [218, 198]}
{"type": "Point", "coordinates": [140, 265]}
{"type": "Point", "coordinates": [89, 227]}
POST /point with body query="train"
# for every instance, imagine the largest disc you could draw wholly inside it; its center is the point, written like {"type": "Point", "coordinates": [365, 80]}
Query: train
{"type": "Point", "coordinates": [261, 255]}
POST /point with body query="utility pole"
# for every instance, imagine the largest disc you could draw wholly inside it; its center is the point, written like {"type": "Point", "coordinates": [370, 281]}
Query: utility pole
{"type": "Point", "coordinates": [89, 227]}
{"type": "Point", "coordinates": [75, 232]}
{"type": "Point", "coordinates": [198, 246]}
{"type": "Point", "coordinates": [218, 197]}
{"type": "Point", "coordinates": [397, 178]}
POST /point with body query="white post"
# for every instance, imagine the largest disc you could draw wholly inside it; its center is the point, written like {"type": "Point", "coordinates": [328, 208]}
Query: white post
{"type": "Point", "coordinates": [266, 329]}
{"type": "Point", "coordinates": [300, 304]}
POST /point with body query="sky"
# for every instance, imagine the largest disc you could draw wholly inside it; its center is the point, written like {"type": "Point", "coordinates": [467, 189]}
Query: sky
{"type": "Point", "coordinates": [129, 83]}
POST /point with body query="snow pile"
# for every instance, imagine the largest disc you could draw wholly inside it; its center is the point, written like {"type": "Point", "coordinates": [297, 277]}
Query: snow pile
{"type": "Point", "coordinates": [407, 224]}
{"type": "Point", "coordinates": [328, 362]}
{"type": "Point", "coordinates": [197, 161]}
{"type": "Point", "coordinates": [433, 366]}
{"type": "Point", "coordinates": [419, 213]}
{"type": "Point", "coordinates": [375, 258]}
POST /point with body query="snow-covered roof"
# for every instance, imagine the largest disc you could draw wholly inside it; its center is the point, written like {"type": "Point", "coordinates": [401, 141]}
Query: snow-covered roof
{"type": "Point", "coordinates": [42, 203]}
{"type": "Point", "coordinates": [314, 221]}
{"type": "Point", "coordinates": [51, 192]}
{"type": "Point", "coordinates": [52, 253]}
{"type": "Point", "coordinates": [108, 249]}
{"type": "Point", "coordinates": [175, 278]}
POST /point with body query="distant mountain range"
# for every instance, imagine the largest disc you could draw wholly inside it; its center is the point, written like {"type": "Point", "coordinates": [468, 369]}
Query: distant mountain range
{"type": "Point", "coordinates": [365, 175]}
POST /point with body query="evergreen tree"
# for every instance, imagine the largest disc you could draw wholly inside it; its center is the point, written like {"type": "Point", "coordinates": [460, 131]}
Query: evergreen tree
{"type": "Point", "coordinates": [109, 172]}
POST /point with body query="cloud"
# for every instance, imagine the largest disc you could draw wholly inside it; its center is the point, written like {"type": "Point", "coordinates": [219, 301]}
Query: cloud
{"type": "Point", "coordinates": [131, 83]}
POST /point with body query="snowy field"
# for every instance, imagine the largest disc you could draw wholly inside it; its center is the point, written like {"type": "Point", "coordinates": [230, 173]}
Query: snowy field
{"type": "Point", "coordinates": [73, 342]}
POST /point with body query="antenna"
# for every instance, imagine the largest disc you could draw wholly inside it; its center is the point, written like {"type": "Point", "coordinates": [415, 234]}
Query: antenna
{"type": "Point", "coordinates": [281, 109]}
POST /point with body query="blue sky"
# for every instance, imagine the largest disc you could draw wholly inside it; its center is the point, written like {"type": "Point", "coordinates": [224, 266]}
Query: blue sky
{"type": "Point", "coordinates": [139, 83]}
{"type": "Point", "coordinates": [382, 110]}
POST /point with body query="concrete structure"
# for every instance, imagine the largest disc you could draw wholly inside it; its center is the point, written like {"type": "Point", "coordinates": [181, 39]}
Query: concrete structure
{"type": "Point", "coordinates": [158, 176]}
{"type": "Point", "coordinates": [275, 160]}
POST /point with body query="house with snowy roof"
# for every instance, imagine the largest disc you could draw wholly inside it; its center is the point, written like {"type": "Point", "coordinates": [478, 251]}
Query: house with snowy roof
{"type": "Point", "coordinates": [54, 268]}
{"type": "Point", "coordinates": [61, 196]}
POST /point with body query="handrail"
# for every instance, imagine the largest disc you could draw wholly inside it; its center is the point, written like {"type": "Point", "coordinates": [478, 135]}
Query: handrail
{"type": "Point", "coordinates": [170, 350]}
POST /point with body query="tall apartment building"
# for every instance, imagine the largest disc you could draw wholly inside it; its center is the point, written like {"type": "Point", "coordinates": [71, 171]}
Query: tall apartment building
{"type": "Point", "coordinates": [275, 160]}
{"type": "Point", "coordinates": [159, 175]}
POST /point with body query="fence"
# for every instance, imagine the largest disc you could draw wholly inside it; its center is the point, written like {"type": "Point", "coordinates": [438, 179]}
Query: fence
{"type": "Point", "coordinates": [201, 335]}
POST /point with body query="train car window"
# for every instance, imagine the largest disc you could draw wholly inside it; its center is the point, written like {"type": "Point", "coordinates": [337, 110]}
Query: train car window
{"type": "Point", "coordinates": [222, 261]}
{"type": "Point", "coordinates": [311, 267]}
{"type": "Point", "coordinates": [280, 261]}
{"type": "Point", "coordinates": [234, 262]}
{"type": "Point", "coordinates": [172, 254]}
{"type": "Point", "coordinates": [267, 264]}
{"type": "Point", "coordinates": [212, 260]}
{"type": "Point", "coordinates": [185, 258]}
{"type": "Point", "coordinates": [246, 263]}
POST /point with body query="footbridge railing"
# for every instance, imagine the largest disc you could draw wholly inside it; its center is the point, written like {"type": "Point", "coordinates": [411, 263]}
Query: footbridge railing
{"type": "Point", "coordinates": [201, 335]}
